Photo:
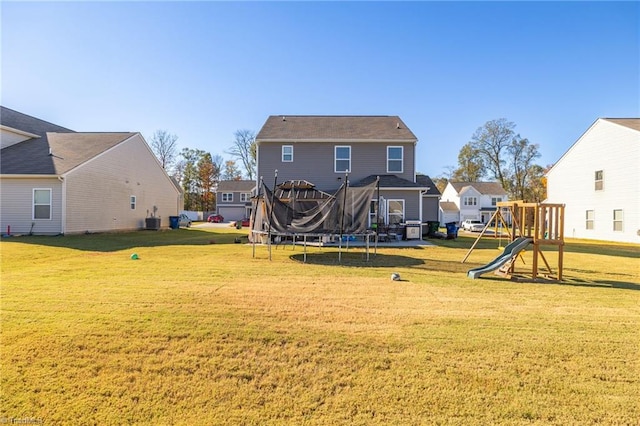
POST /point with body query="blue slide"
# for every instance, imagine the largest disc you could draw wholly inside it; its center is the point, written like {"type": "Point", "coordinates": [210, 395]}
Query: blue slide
{"type": "Point", "coordinates": [510, 251]}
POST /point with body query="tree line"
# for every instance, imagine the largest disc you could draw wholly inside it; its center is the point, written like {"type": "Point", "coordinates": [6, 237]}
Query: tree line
{"type": "Point", "coordinates": [198, 172]}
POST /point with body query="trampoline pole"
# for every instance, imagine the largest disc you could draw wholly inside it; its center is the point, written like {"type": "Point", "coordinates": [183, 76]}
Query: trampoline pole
{"type": "Point", "coordinates": [344, 204]}
{"type": "Point", "coordinates": [253, 218]}
{"type": "Point", "coordinates": [273, 194]}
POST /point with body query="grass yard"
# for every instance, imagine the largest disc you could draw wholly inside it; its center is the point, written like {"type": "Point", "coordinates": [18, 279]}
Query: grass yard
{"type": "Point", "coordinates": [195, 332]}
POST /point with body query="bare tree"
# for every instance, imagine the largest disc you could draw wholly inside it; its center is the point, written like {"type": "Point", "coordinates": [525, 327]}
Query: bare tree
{"type": "Point", "coordinates": [244, 149]}
{"type": "Point", "coordinates": [164, 146]}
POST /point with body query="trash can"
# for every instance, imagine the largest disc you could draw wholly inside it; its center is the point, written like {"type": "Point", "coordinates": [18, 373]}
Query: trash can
{"type": "Point", "coordinates": [174, 222]}
{"type": "Point", "coordinates": [452, 230]}
{"type": "Point", "coordinates": [432, 227]}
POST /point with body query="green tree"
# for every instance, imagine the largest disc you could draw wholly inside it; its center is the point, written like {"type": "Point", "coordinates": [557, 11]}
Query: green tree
{"type": "Point", "coordinates": [490, 142]}
{"type": "Point", "coordinates": [520, 154]}
{"type": "Point", "coordinates": [503, 156]}
{"type": "Point", "coordinates": [470, 165]}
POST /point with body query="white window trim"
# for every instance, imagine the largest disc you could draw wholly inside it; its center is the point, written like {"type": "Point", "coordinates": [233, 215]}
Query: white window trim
{"type": "Point", "coordinates": [244, 197]}
{"type": "Point", "coordinates": [599, 181]}
{"type": "Point", "coordinates": [335, 159]}
{"type": "Point", "coordinates": [621, 221]}
{"type": "Point", "coordinates": [33, 204]}
{"type": "Point", "coordinates": [591, 221]}
{"type": "Point", "coordinates": [404, 210]}
{"type": "Point", "coordinates": [228, 195]}
{"type": "Point", "coordinates": [468, 197]}
{"type": "Point", "coordinates": [133, 202]}
{"type": "Point", "coordinates": [395, 159]}
{"type": "Point", "coordinates": [283, 159]}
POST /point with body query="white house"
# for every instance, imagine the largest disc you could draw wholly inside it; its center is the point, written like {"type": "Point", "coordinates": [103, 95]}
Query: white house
{"type": "Point", "coordinates": [470, 200]}
{"type": "Point", "coordinates": [57, 181]}
{"type": "Point", "coordinates": [598, 180]}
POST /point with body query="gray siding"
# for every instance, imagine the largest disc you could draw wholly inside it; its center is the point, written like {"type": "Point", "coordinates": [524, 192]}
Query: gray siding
{"type": "Point", "coordinates": [314, 162]}
{"type": "Point", "coordinates": [411, 201]}
{"type": "Point", "coordinates": [16, 206]}
{"type": "Point", "coordinates": [430, 208]}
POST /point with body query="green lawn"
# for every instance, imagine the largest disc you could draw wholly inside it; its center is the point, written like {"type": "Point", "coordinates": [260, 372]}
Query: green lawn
{"type": "Point", "coordinates": [197, 331]}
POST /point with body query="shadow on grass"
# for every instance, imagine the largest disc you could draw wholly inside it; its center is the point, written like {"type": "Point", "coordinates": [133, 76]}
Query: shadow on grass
{"type": "Point", "coordinates": [567, 281]}
{"type": "Point", "coordinates": [571, 246]}
{"type": "Point", "coordinates": [356, 259]}
{"type": "Point", "coordinates": [109, 242]}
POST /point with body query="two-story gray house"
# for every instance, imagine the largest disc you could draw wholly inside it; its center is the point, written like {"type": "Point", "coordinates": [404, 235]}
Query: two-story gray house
{"type": "Point", "coordinates": [324, 150]}
{"type": "Point", "coordinates": [233, 199]}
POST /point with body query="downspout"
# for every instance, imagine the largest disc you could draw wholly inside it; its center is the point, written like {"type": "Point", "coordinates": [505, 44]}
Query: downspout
{"type": "Point", "coordinates": [63, 207]}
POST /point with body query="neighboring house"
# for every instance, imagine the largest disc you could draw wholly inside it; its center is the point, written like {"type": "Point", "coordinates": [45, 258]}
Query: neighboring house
{"type": "Point", "coordinates": [233, 199]}
{"type": "Point", "coordinates": [57, 181]}
{"type": "Point", "coordinates": [324, 150]}
{"type": "Point", "coordinates": [470, 200]}
{"type": "Point", "coordinates": [598, 180]}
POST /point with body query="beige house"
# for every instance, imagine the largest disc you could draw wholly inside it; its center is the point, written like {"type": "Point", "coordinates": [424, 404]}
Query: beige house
{"type": "Point", "coordinates": [57, 181]}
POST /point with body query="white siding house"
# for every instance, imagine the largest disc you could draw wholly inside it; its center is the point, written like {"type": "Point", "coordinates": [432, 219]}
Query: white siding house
{"type": "Point", "coordinates": [57, 181]}
{"type": "Point", "coordinates": [598, 179]}
{"type": "Point", "coordinates": [472, 200]}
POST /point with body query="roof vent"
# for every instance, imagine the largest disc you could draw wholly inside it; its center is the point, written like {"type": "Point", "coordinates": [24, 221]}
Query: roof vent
{"type": "Point", "coordinates": [50, 153]}
{"type": "Point", "coordinates": [397, 125]}
{"type": "Point", "coordinates": [284, 118]}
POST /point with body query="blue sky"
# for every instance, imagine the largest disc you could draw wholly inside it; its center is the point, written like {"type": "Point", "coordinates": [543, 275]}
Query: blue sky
{"type": "Point", "coordinates": [203, 70]}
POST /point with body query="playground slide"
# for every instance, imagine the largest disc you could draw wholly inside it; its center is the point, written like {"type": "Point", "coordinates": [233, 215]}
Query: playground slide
{"type": "Point", "coordinates": [510, 251]}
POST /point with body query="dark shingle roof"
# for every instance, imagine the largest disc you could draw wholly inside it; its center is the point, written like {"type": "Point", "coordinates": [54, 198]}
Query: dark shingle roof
{"type": "Point", "coordinates": [327, 128]}
{"type": "Point", "coordinates": [387, 181]}
{"type": "Point", "coordinates": [488, 188]}
{"type": "Point", "coordinates": [57, 153]}
{"type": "Point", "coordinates": [26, 123]}
{"type": "Point", "coordinates": [426, 181]}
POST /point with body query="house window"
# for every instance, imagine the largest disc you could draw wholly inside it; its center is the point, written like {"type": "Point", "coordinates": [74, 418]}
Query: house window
{"type": "Point", "coordinates": [590, 215]}
{"type": "Point", "coordinates": [470, 201]}
{"type": "Point", "coordinates": [287, 153]}
{"type": "Point", "coordinates": [395, 209]}
{"type": "Point", "coordinates": [244, 197]}
{"type": "Point", "coordinates": [227, 197]}
{"type": "Point", "coordinates": [132, 202]}
{"type": "Point", "coordinates": [599, 180]}
{"type": "Point", "coordinates": [617, 220]}
{"type": "Point", "coordinates": [42, 203]}
{"type": "Point", "coordinates": [342, 159]}
{"type": "Point", "coordinates": [495, 200]}
{"type": "Point", "coordinates": [394, 159]}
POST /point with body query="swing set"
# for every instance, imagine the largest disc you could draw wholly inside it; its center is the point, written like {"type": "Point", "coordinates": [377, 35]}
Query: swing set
{"type": "Point", "coordinates": [542, 223]}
